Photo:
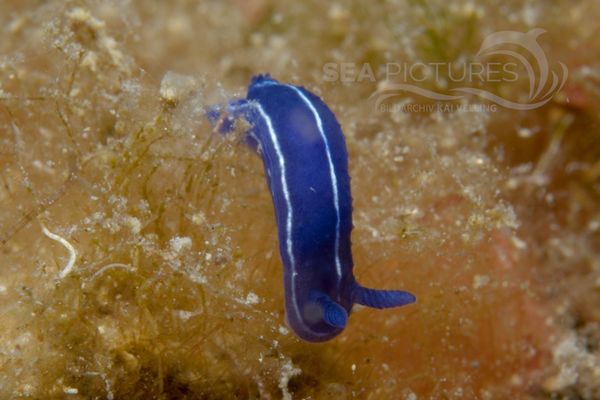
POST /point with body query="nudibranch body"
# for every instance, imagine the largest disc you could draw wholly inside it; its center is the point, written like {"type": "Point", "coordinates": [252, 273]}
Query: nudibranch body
{"type": "Point", "coordinates": [306, 163]}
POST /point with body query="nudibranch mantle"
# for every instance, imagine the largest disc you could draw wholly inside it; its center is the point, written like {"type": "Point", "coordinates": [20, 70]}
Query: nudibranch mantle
{"type": "Point", "coordinates": [306, 163]}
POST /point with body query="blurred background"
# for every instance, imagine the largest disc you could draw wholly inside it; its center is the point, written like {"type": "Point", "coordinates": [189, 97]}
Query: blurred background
{"type": "Point", "coordinates": [139, 255]}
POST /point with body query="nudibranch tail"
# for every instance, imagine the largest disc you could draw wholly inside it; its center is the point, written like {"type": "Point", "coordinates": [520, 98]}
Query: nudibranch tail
{"type": "Point", "coordinates": [376, 298]}
{"type": "Point", "coordinates": [333, 314]}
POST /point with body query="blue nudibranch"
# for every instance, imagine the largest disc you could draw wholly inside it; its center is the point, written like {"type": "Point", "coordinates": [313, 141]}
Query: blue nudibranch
{"type": "Point", "coordinates": [306, 162]}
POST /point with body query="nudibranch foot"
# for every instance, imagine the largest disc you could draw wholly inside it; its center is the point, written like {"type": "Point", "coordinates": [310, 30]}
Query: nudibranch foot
{"type": "Point", "coordinates": [376, 298]}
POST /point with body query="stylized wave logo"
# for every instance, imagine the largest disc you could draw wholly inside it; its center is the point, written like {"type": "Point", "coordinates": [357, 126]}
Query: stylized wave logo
{"type": "Point", "coordinates": [543, 82]}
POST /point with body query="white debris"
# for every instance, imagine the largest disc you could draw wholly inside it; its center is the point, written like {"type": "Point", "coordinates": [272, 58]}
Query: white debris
{"type": "Point", "coordinates": [175, 87]}
{"type": "Point", "coordinates": [283, 330]}
{"type": "Point", "coordinates": [480, 281]}
{"type": "Point", "coordinates": [410, 395]}
{"type": "Point", "coordinates": [180, 243]}
{"type": "Point", "coordinates": [288, 371]}
{"type": "Point", "coordinates": [196, 277]}
{"type": "Point", "coordinates": [134, 224]}
{"type": "Point", "coordinates": [574, 361]}
{"type": "Point", "coordinates": [72, 252]}
{"type": "Point", "coordinates": [252, 298]}
{"type": "Point", "coordinates": [70, 390]}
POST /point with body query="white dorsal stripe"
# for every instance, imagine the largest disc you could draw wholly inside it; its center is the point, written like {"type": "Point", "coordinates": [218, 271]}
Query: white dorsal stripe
{"type": "Point", "coordinates": [336, 201]}
{"type": "Point", "coordinates": [264, 82]}
{"type": "Point", "coordinates": [289, 220]}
